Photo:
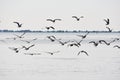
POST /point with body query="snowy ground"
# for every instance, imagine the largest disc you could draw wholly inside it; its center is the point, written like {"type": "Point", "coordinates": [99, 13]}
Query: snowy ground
{"type": "Point", "coordinates": [103, 62]}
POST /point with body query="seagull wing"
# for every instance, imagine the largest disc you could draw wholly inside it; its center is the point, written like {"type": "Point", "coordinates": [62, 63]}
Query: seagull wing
{"type": "Point", "coordinates": [75, 17]}
{"type": "Point", "coordinates": [82, 17]}
{"type": "Point", "coordinates": [105, 20]}
{"type": "Point", "coordinates": [16, 23]}
{"type": "Point", "coordinates": [58, 19]}
{"type": "Point", "coordinates": [23, 34]}
{"type": "Point", "coordinates": [52, 27]}
{"type": "Point", "coordinates": [31, 46]}
{"type": "Point", "coordinates": [84, 52]}
{"type": "Point", "coordinates": [49, 20]}
{"type": "Point", "coordinates": [108, 28]}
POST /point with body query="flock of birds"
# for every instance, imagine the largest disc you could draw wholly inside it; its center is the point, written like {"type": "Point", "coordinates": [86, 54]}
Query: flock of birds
{"type": "Point", "coordinates": [52, 38]}
{"type": "Point", "coordinates": [107, 21]}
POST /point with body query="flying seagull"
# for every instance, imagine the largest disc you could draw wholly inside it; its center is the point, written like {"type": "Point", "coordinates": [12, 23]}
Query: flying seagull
{"type": "Point", "coordinates": [29, 41]}
{"type": "Point", "coordinates": [32, 54]}
{"type": "Point", "coordinates": [19, 24]}
{"type": "Point", "coordinates": [107, 43]}
{"type": "Point", "coordinates": [27, 48]}
{"type": "Point", "coordinates": [107, 21]}
{"type": "Point", "coordinates": [50, 28]}
{"type": "Point", "coordinates": [77, 18]}
{"type": "Point", "coordinates": [110, 30]}
{"type": "Point", "coordinates": [63, 42]}
{"type": "Point", "coordinates": [53, 20]}
{"type": "Point", "coordinates": [73, 44]}
{"type": "Point", "coordinates": [95, 43]}
{"type": "Point", "coordinates": [15, 49]}
{"type": "Point", "coordinates": [83, 52]}
{"type": "Point", "coordinates": [20, 36]}
{"type": "Point", "coordinates": [83, 36]}
{"type": "Point", "coordinates": [51, 38]}
{"type": "Point", "coordinates": [52, 52]}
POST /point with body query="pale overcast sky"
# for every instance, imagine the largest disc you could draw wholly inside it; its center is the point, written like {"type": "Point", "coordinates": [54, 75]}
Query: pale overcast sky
{"type": "Point", "coordinates": [33, 14]}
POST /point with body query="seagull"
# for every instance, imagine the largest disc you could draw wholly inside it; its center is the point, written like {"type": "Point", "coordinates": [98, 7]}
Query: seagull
{"type": "Point", "coordinates": [14, 38]}
{"type": "Point", "coordinates": [53, 20]}
{"type": "Point", "coordinates": [116, 46]}
{"type": "Point", "coordinates": [83, 36]}
{"type": "Point", "coordinates": [52, 38]}
{"type": "Point", "coordinates": [15, 49]}
{"type": "Point", "coordinates": [52, 52]}
{"type": "Point", "coordinates": [63, 43]}
{"type": "Point", "coordinates": [77, 17]}
{"type": "Point", "coordinates": [83, 52]}
{"type": "Point", "coordinates": [107, 21]}
{"type": "Point", "coordinates": [95, 43]}
{"type": "Point", "coordinates": [100, 41]}
{"type": "Point", "coordinates": [27, 48]}
{"type": "Point", "coordinates": [32, 54]}
{"type": "Point", "coordinates": [78, 43]}
{"type": "Point", "coordinates": [50, 28]}
{"type": "Point", "coordinates": [73, 44]}
{"type": "Point", "coordinates": [19, 25]}
{"type": "Point", "coordinates": [20, 36]}
{"type": "Point", "coordinates": [29, 40]}
{"type": "Point", "coordinates": [116, 39]}
{"type": "Point", "coordinates": [110, 30]}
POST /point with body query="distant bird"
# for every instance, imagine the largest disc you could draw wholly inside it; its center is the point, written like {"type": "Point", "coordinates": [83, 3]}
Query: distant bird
{"type": "Point", "coordinates": [27, 48]}
{"type": "Point", "coordinates": [20, 36]}
{"type": "Point", "coordinates": [110, 30]}
{"type": "Point", "coordinates": [50, 28]}
{"type": "Point", "coordinates": [15, 49]}
{"type": "Point", "coordinates": [116, 39]}
{"type": "Point", "coordinates": [77, 18]}
{"type": "Point", "coordinates": [63, 43]}
{"type": "Point", "coordinates": [78, 42]}
{"type": "Point", "coordinates": [29, 40]}
{"type": "Point", "coordinates": [117, 46]}
{"type": "Point", "coordinates": [32, 54]}
{"type": "Point", "coordinates": [107, 21]}
{"type": "Point", "coordinates": [18, 24]}
{"type": "Point", "coordinates": [95, 43]}
{"type": "Point", "coordinates": [53, 20]}
{"type": "Point", "coordinates": [52, 38]}
{"type": "Point", "coordinates": [73, 44]}
{"type": "Point", "coordinates": [52, 52]}
{"type": "Point", "coordinates": [107, 43]}
{"type": "Point", "coordinates": [14, 38]}
{"type": "Point", "coordinates": [83, 36]}
{"type": "Point", "coordinates": [83, 52]}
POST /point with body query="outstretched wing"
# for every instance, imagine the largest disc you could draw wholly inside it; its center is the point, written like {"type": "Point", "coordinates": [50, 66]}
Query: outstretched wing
{"type": "Point", "coordinates": [116, 46]}
{"type": "Point", "coordinates": [75, 17]}
{"type": "Point", "coordinates": [19, 25]}
{"type": "Point", "coordinates": [49, 20]}
{"type": "Point", "coordinates": [58, 19]}
{"type": "Point", "coordinates": [109, 29]}
{"type": "Point", "coordinates": [16, 23]}
{"type": "Point", "coordinates": [82, 17]}
{"type": "Point", "coordinates": [52, 27]}
{"type": "Point", "coordinates": [31, 46]}
{"type": "Point", "coordinates": [84, 52]}
{"type": "Point", "coordinates": [23, 34]}
{"type": "Point", "coordinates": [105, 20]}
